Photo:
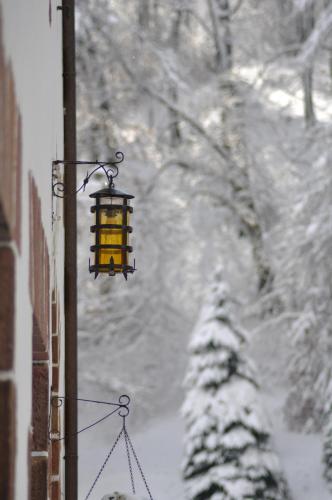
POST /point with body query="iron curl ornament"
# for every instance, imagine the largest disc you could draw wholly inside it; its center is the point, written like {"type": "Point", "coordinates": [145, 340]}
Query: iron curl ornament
{"type": "Point", "coordinates": [112, 213]}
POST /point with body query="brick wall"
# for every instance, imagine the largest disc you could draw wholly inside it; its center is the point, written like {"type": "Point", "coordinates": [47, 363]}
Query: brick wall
{"type": "Point", "coordinates": [46, 417]}
{"type": "Point", "coordinates": [39, 285]}
{"type": "Point", "coordinates": [10, 214]}
{"type": "Point", "coordinates": [7, 439]}
{"type": "Point", "coordinates": [56, 409]}
{"type": "Point", "coordinates": [39, 277]}
{"type": "Point", "coordinates": [10, 153]}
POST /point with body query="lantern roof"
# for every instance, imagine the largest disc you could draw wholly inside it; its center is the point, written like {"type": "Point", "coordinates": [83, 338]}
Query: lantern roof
{"type": "Point", "coordinates": [111, 192]}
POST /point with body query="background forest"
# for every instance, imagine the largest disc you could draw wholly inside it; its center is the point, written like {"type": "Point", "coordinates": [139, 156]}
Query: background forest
{"type": "Point", "coordinates": [223, 111]}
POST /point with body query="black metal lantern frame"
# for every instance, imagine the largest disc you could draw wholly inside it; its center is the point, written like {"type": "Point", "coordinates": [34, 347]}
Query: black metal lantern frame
{"type": "Point", "coordinates": [103, 198]}
{"type": "Point", "coordinates": [111, 228]}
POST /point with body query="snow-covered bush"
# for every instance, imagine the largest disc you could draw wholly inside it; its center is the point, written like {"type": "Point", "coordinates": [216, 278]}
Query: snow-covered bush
{"type": "Point", "coordinates": [304, 409]}
{"type": "Point", "coordinates": [227, 450]}
{"type": "Point", "coordinates": [122, 496]}
{"type": "Point", "coordinates": [304, 277]}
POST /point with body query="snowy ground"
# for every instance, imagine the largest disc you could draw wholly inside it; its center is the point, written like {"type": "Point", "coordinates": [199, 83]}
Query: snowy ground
{"type": "Point", "coordinates": [301, 460]}
{"type": "Point", "coordinates": [159, 451]}
{"type": "Point", "coordinates": [300, 454]}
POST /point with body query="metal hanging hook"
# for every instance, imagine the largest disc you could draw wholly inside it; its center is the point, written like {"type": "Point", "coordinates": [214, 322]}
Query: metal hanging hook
{"type": "Point", "coordinates": [124, 402]}
{"type": "Point", "coordinates": [122, 409]}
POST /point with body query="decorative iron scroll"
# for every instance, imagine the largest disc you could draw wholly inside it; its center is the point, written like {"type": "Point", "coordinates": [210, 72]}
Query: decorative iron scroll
{"type": "Point", "coordinates": [109, 168]}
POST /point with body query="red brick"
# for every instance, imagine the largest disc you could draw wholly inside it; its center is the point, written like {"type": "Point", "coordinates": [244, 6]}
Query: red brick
{"type": "Point", "coordinates": [40, 405]}
{"type": "Point", "coordinates": [40, 356]}
{"type": "Point", "coordinates": [39, 335]}
{"type": "Point", "coordinates": [47, 296]}
{"type": "Point", "coordinates": [4, 225]}
{"type": "Point", "coordinates": [55, 349]}
{"type": "Point", "coordinates": [39, 273]}
{"type": "Point", "coordinates": [55, 490]}
{"type": "Point", "coordinates": [39, 478]}
{"type": "Point", "coordinates": [54, 317]}
{"type": "Point", "coordinates": [56, 448]}
{"type": "Point", "coordinates": [18, 195]}
{"type": "Point", "coordinates": [10, 154]}
{"type": "Point", "coordinates": [55, 379]}
{"type": "Point", "coordinates": [59, 322]}
{"type": "Point", "coordinates": [55, 420]}
{"type": "Point", "coordinates": [7, 307]}
{"type": "Point", "coordinates": [7, 440]}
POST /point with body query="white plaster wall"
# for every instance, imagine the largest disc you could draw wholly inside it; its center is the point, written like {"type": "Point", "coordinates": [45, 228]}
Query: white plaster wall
{"type": "Point", "coordinates": [34, 48]}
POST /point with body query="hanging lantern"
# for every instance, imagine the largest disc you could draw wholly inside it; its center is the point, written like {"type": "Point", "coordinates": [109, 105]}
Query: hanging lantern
{"type": "Point", "coordinates": [112, 211]}
{"type": "Point", "coordinates": [111, 229]}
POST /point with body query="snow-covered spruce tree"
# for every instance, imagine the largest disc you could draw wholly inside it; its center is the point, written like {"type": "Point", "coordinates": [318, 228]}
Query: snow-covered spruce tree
{"type": "Point", "coordinates": [227, 451]}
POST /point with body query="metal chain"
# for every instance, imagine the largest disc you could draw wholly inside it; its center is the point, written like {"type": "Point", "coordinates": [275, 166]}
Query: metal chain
{"type": "Point", "coordinates": [123, 410]}
{"type": "Point", "coordinates": [128, 456]}
{"type": "Point", "coordinates": [138, 463]}
{"type": "Point", "coordinates": [105, 462]}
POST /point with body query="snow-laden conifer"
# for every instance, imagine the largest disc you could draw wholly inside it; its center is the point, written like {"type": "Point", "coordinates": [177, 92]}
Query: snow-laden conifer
{"type": "Point", "coordinates": [227, 450]}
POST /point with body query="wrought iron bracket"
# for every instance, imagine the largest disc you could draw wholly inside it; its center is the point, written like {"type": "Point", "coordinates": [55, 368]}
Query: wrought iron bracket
{"type": "Point", "coordinates": [121, 408]}
{"type": "Point", "coordinates": [109, 168]}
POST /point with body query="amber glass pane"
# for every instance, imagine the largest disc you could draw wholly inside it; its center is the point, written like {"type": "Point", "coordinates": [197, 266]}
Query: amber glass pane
{"type": "Point", "coordinates": [110, 236]}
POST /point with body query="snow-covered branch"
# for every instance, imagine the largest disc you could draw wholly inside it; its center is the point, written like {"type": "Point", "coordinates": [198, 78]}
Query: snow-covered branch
{"type": "Point", "coordinates": [323, 27]}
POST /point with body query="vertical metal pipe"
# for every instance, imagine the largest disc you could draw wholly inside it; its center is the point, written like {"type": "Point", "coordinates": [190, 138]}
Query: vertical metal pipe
{"type": "Point", "coordinates": [70, 229]}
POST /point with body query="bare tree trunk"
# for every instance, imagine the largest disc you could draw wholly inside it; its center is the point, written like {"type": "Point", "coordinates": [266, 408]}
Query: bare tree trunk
{"type": "Point", "coordinates": [233, 140]}
{"type": "Point", "coordinates": [309, 110]}
{"type": "Point", "coordinates": [327, 3]}
{"type": "Point", "coordinates": [156, 19]}
{"type": "Point", "coordinates": [264, 271]}
{"type": "Point", "coordinates": [330, 65]}
{"type": "Point", "coordinates": [221, 27]}
{"type": "Point", "coordinates": [285, 7]}
{"type": "Point", "coordinates": [175, 133]}
{"type": "Point", "coordinates": [143, 14]}
{"type": "Point", "coordinates": [305, 25]}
